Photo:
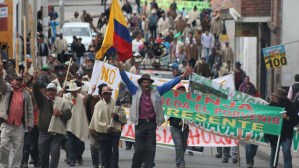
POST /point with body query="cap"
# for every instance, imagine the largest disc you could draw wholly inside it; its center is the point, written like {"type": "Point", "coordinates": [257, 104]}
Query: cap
{"type": "Point", "coordinates": [106, 89]}
{"type": "Point", "coordinates": [136, 54]}
{"type": "Point", "coordinates": [51, 86]}
{"type": "Point", "coordinates": [53, 55]}
{"type": "Point", "coordinates": [79, 75]}
{"type": "Point", "coordinates": [29, 59]}
{"type": "Point", "coordinates": [60, 74]}
{"type": "Point", "coordinates": [45, 67]}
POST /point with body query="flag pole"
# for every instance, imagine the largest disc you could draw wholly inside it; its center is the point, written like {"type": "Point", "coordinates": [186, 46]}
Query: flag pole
{"type": "Point", "coordinates": [276, 152]}
{"type": "Point", "coordinates": [98, 77]}
{"type": "Point", "coordinates": [25, 44]}
{"type": "Point", "coordinates": [67, 73]}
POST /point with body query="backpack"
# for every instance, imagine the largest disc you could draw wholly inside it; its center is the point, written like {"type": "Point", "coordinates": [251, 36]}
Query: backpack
{"type": "Point", "coordinates": [152, 21]}
{"type": "Point", "coordinates": [296, 103]}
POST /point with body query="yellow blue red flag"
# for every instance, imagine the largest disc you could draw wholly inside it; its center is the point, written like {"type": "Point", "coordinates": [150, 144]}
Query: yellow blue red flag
{"type": "Point", "coordinates": [117, 35]}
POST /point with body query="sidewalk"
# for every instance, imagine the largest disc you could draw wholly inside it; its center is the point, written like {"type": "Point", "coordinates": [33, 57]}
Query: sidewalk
{"type": "Point", "coordinates": [264, 152]}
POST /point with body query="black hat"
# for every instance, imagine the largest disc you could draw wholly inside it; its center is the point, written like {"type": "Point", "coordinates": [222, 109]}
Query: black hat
{"type": "Point", "coordinates": [78, 83]}
{"type": "Point", "coordinates": [145, 77]}
{"type": "Point", "coordinates": [42, 84]}
{"type": "Point", "coordinates": [238, 64]}
{"type": "Point", "coordinates": [15, 76]}
{"type": "Point", "coordinates": [100, 87]}
{"type": "Point", "coordinates": [280, 93]}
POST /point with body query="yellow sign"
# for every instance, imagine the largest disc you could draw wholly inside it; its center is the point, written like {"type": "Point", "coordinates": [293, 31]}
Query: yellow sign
{"type": "Point", "coordinates": [6, 29]}
{"type": "Point", "coordinates": [275, 56]}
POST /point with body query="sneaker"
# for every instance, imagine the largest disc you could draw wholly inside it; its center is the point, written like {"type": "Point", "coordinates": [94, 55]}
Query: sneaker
{"type": "Point", "coordinates": [31, 161]}
{"type": "Point", "coordinates": [72, 164]}
{"type": "Point", "coordinates": [80, 161]}
{"type": "Point", "coordinates": [225, 161]}
{"type": "Point", "coordinates": [190, 153]}
{"type": "Point", "coordinates": [24, 165]}
{"type": "Point", "coordinates": [249, 165]}
{"type": "Point", "coordinates": [218, 155]}
{"type": "Point", "coordinates": [235, 161]}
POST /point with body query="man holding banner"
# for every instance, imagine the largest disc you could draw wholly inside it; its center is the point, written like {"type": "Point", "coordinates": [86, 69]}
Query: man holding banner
{"type": "Point", "coordinates": [290, 119]}
{"type": "Point", "coordinates": [146, 113]}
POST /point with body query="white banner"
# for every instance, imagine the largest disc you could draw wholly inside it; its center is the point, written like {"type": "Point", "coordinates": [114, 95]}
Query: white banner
{"type": "Point", "coordinates": [3, 12]}
{"type": "Point", "coordinates": [105, 73]}
{"type": "Point", "coordinates": [196, 137]}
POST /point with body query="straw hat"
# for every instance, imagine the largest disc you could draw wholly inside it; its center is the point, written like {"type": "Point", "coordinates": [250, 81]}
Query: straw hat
{"type": "Point", "coordinates": [280, 93]}
{"type": "Point", "coordinates": [73, 87]}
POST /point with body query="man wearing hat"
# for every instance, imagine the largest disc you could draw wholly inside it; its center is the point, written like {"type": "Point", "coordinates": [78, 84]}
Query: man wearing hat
{"type": "Point", "coordinates": [91, 101]}
{"type": "Point", "coordinates": [179, 132]}
{"type": "Point", "coordinates": [290, 119]}
{"type": "Point", "coordinates": [135, 69]}
{"type": "Point", "coordinates": [16, 115]}
{"type": "Point", "coordinates": [105, 127]}
{"type": "Point", "coordinates": [77, 126]}
{"type": "Point", "coordinates": [54, 113]}
{"type": "Point", "coordinates": [146, 113]}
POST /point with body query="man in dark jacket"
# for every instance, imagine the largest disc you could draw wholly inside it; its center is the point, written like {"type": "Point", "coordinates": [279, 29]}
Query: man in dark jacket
{"type": "Point", "coordinates": [51, 109]}
{"type": "Point", "coordinates": [290, 119]}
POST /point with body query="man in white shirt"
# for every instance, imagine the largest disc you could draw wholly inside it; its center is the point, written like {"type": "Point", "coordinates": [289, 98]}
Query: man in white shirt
{"type": "Point", "coordinates": [206, 41]}
{"type": "Point", "coordinates": [136, 43]}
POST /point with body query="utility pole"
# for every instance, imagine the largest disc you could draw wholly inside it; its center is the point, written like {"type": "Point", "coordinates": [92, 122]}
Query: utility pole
{"type": "Point", "coordinates": [61, 11]}
{"type": "Point", "coordinates": [45, 19]}
{"type": "Point", "coordinates": [33, 29]}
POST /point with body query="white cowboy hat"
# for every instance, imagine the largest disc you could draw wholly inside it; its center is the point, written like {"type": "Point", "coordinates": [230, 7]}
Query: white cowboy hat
{"type": "Point", "coordinates": [73, 87]}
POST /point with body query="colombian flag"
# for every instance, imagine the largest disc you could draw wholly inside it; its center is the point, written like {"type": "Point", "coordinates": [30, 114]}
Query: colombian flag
{"type": "Point", "coordinates": [117, 35]}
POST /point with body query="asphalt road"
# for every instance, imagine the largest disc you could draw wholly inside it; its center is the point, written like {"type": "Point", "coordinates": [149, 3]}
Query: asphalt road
{"type": "Point", "coordinates": [165, 159]}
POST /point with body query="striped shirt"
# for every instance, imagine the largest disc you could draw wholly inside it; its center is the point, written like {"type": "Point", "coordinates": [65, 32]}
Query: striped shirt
{"type": "Point", "coordinates": [16, 110]}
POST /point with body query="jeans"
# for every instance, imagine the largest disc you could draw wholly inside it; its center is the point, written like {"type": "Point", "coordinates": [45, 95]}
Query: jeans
{"type": "Point", "coordinates": [250, 152]}
{"type": "Point", "coordinates": [96, 149]}
{"type": "Point", "coordinates": [75, 148]}
{"type": "Point", "coordinates": [34, 145]}
{"type": "Point", "coordinates": [115, 137]}
{"type": "Point", "coordinates": [49, 144]}
{"type": "Point", "coordinates": [225, 151]}
{"type": "Point", "coordinates": [153, 31]}
{"type": "Point", "coordinates": [286, 150]}
{"type": "Point", "coordinates": [79, 60]}
{"type": "Point", "coordinates": [180, 139]}
{"type": "Point", "coordinates": [145, 144]}
{"type": "Point", "coordinates": [26, 148]}
{"type": "Point", "coordinates": [206, 53]}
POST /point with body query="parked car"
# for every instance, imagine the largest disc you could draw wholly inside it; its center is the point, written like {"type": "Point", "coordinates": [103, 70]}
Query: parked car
{"type": "Point", "coordinates": [80, 30]}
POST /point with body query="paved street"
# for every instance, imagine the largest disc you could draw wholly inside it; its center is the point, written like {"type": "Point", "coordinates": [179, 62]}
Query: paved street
{"type": "Point", "coordinates": [165, 159]}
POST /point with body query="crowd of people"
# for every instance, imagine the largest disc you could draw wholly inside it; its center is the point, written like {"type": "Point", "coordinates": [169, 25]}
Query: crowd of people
{"type": "Point", "coordinates": [40, 108]}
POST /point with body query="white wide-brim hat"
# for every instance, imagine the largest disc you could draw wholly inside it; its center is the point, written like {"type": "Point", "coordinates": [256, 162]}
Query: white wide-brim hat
{"type": "Point", "coordinates": [73, 87]}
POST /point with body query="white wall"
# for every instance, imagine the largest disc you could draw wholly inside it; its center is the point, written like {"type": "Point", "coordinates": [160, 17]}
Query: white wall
{"type": "Point", "coordinates": [290, 33]}
{"type": "Point", "coordinates": [246, 52]}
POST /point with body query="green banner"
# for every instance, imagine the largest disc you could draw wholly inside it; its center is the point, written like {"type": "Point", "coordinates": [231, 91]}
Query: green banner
{"type": "Point", "coordinates": [245, 118]}
{"type": "Point", "coordinates": [187, 4]}
{"type": "Point", "coordinates": [207, 86]}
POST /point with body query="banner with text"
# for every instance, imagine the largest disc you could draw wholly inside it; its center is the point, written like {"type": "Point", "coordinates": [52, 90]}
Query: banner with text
{"type": "Point", "coordinates": [187, 4]}
{"type": "Point", "coordinates": [109, 74]}
{"type": "Point", "coordinates": [196, 137]}
{"type": "Point", "coordinates": [244, 119]}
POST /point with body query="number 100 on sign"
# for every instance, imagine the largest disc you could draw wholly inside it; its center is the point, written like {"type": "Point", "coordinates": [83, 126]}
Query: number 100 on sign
{"type": "Point", "coordinates": [275, 56]}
